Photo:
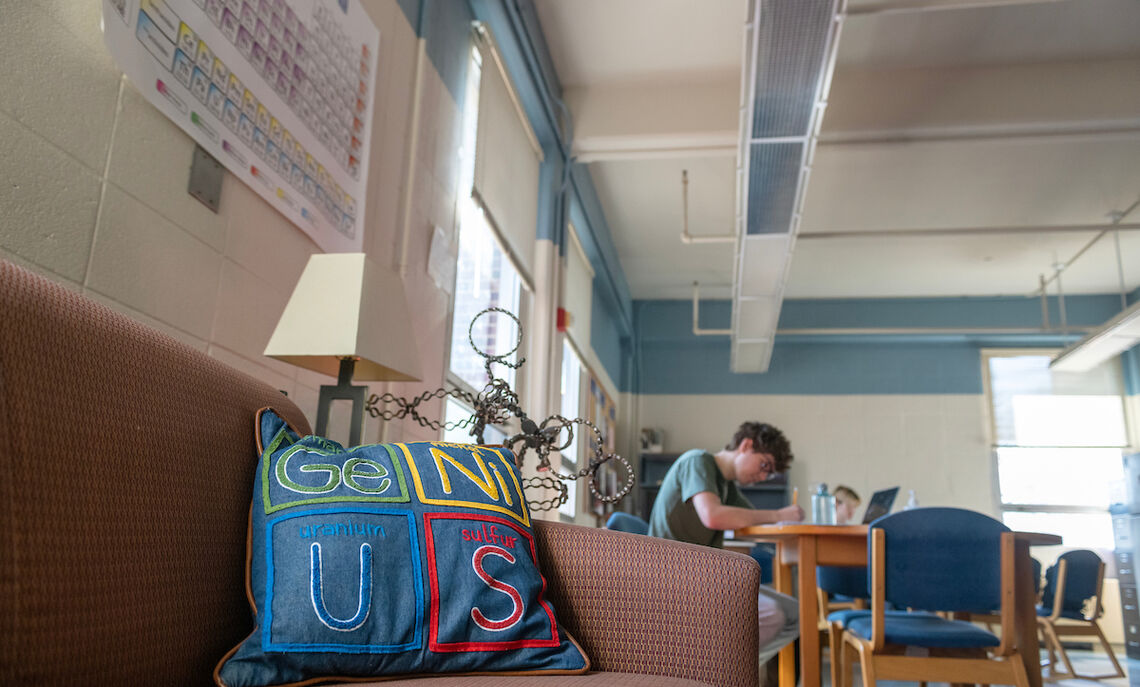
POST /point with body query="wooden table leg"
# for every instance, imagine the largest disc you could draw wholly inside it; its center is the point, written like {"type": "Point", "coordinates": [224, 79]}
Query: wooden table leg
{"type": "Point", "coordinates": [782, 580]}
{"type": "Point", "coordinates": [809, 614]}
{"type": "Point", "coordinates": [1025, 603]}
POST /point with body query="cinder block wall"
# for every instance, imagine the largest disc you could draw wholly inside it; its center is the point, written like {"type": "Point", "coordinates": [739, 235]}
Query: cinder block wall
{"type": "Point", "coordinates": [94, 196]}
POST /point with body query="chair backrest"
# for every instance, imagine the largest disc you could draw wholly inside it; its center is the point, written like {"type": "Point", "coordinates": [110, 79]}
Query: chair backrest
{"type": "Point", "coordinates": [765, 555]}
{"type": "Point", "coordinates": [626, 522]}
{"type": "Point", "coordinates": [844, 580]}
{"type": "Point", "coordinates": [1082, 581]}
{"type": "Point", "coordinates": [941, 559]}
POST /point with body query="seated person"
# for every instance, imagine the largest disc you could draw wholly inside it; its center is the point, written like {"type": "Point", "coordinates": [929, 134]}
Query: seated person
{"type": "Point", "coordinates": [846, 503]}
{"type": "Point", "coordinates": [699, 500]}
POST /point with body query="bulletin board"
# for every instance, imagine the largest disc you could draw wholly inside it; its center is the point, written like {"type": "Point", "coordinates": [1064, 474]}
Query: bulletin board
{"type": "Point", "coordinates": [280, 92]}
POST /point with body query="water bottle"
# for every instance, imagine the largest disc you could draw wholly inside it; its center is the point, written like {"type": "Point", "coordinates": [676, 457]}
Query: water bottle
{"type": "Point", "coordinates": [911, 501]}
{"type": "Point", "coordinates": [823, 506]}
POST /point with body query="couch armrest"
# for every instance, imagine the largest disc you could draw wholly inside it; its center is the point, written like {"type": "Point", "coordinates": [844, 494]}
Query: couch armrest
{"type": "Point", "coordinates": [641, 604]}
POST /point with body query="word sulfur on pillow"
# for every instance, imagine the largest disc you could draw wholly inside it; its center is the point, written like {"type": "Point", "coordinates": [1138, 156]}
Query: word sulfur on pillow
{"type": "Point", "coordinates": [391, 559]}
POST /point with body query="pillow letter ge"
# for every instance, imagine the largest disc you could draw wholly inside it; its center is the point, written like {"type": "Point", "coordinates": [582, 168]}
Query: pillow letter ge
{"type": "Point", "coordinates": [391, 559]}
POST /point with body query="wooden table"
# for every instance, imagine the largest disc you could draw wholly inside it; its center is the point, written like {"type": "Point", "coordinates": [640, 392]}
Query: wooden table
{"type": "Point", "coordinates": [807, 546]}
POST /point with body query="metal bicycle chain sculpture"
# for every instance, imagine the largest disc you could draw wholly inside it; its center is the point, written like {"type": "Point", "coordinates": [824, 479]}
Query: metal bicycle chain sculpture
{"type": "Point", "coordinates": [496, 404]}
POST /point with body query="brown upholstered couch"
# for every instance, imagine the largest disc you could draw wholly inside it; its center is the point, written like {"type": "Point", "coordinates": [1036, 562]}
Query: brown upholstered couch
{"type": "Point", "coordinates": [126, 463]}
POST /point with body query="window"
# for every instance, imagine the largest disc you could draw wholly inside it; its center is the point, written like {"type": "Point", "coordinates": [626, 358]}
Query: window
{"type": "Point", "coordinates": [570, 407]}
{"type": "Point", "coordinates": [485, 276]}
{"type": "Point", "coordinates": [484, 279]}
{"type": "Point", "coordinates": [1058, 438]}
{"type": "Point", "coordinates": [457, 411]}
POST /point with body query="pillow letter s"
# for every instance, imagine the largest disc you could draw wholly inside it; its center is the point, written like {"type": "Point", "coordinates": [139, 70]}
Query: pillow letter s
{"type": "Point", "coordinates": [516, 598]}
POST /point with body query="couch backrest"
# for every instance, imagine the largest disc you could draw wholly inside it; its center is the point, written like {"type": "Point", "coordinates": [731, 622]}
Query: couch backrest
{"type": "Point", "coordinates": [126, 469]}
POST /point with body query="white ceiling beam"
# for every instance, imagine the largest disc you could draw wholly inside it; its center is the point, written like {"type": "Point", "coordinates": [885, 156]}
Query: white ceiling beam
{"type": "Point", "coordinates": [646, 121]}
{"type": "Point", "coordinates": [910, 6]}
{"type": "Point", "coordinates": [882, 104]}
{"type": "Point", "coordinates": [659, 147]}
{"type": "Point", "coordinates": [1075, 131]}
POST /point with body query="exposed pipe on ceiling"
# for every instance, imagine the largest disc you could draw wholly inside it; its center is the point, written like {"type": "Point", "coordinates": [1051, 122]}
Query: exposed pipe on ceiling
{"type": "Point", "coordinates": [1117, 217]}
{"type": "Point", "coordinates": [697, 316]}
{"type": "Point", "coordinates": [910, 6]}
{"type": "Point", "coordinates": [964, 231]}
{"type": "Point", "coordinates": [1053, 133]}
{"type": "Point", "coordinates": [686, 237]}
{"type": "Point", "coordinates": [1026, 133]}
{"type": "Point", "coordinates": [923, 331]}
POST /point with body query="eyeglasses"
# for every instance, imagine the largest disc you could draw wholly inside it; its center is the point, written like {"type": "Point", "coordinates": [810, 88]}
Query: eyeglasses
{"type": "Point", "coordinates": [769, 467]}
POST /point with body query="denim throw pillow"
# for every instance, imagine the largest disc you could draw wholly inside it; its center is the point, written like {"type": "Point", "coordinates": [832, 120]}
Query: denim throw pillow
{"type": "Point", "coordinates": [391, 559]}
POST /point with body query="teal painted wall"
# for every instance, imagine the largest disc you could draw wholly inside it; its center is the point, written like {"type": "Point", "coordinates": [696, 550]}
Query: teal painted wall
{"type": "Point", "coordinates": [672, 360]}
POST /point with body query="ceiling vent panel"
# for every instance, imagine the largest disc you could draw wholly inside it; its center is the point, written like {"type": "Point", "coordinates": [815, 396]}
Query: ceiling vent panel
{"type": "Point", "coordinates": [792, 41]}
{"type": "Point", "coordinates": [773, 177]}
{"type": "Point", "coordinates": [758, 318]}
{"type": "Point", "coordinates": [751, 356]}
{"type": "Point", "coordinates": [789, 58]}
{"type": "Point", "coordinates": [765, 259]}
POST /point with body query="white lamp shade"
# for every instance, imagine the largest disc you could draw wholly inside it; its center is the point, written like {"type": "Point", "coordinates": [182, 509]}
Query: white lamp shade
{"type": "Point", "coordinates": [346, 306]}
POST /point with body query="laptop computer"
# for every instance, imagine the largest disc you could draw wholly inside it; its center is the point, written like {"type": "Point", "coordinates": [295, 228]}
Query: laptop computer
{"type": "Point", "coordinates": [880, 504]}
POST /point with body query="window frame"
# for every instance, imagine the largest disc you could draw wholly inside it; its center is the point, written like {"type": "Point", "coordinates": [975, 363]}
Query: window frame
{"type": "Point", "coordinates": [571, 464]}
{"type": "Point", "coordinates": [1002, 508]}
{"type": "Point", "coordinates": [525, 299]}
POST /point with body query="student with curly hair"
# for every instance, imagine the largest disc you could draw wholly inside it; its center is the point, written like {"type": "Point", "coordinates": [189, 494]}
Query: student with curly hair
{"type": "Point", "coordinates": [699, 500]}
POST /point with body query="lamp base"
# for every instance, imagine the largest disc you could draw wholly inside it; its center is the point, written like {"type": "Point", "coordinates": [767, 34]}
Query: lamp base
{"type": "Point", "coordinates": [343, 390]}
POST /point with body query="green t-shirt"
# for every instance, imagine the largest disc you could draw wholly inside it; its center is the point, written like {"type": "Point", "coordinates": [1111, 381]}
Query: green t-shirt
{"type": "Point", "coordinates": [674, 516]}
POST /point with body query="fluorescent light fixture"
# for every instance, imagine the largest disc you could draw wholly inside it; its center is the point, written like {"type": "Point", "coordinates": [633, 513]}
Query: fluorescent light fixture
{"type": "Point", "coordinates": [1109, 340]}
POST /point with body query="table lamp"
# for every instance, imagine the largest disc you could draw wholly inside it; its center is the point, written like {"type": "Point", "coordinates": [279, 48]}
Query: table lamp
{"type": "Point", "coordinates": [347, 317]}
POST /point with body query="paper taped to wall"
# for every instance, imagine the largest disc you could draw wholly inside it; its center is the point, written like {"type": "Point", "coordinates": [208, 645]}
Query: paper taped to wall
{"type": "Point", "coordinates": [279, 91]}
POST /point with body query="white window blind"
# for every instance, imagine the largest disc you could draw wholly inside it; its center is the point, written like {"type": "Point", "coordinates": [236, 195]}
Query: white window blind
{"type": "Point", "coordinates": [1058, 439]}
{"type": "Point", "coordinates": [578, 295]}
{"type": "Point", "coordinates": [1036, 406]}
{"type": "Point", "coordinates": [507, 158]}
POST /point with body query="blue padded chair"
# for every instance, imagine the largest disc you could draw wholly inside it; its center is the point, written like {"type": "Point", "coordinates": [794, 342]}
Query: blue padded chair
{"type": "Point", "coordinates": [937, 559]}
{"type": "Point", "coordinates": [765, 555]}
{"type": "Point", "coordinates": [1072, 584]}
{"type": "Point", "coordinates": [627, 522]}
{"type": "Point", "coordinates": [849, 585]}
{"type": "Point", "coordinates": [992, 618]}
{"type": "Point", "coordinates": [839, 588]}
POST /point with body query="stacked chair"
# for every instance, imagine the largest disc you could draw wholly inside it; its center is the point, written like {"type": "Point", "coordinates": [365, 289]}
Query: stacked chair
{"type": "Point", "coordinates": [1071, 605]}
{"type": "Point", "coordinates": [945, 560]}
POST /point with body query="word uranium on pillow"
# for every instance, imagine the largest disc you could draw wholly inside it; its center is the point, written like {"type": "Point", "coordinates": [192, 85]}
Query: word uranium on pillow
{"type": "Point", "coordinates": [391, 559]}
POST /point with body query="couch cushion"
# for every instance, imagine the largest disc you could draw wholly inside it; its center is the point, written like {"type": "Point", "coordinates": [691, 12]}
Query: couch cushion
{"type": "Point", "coordinates": [391, 559]}
{"type": "Point", "coordinates": [127, 462]}
{"type": "Point", "coordinates": [600, 679]}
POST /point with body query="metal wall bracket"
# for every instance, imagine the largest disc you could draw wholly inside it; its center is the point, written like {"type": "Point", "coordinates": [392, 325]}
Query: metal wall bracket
{"type": "Point", "coordinates": [206, 178]}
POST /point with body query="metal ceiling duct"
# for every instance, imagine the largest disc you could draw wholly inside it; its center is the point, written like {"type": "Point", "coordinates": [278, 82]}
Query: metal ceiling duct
{"type": "Point", "coordinates": [790, 48]}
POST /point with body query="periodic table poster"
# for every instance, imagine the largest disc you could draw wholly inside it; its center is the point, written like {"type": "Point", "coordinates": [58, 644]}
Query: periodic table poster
{"type": "Point", "coordinates": [278, 91]}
